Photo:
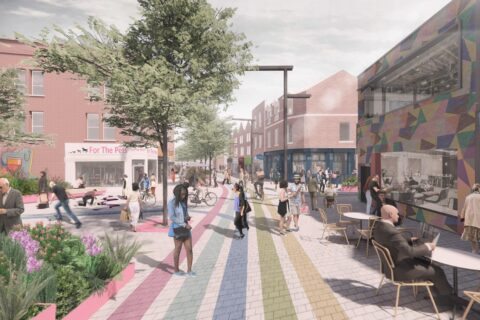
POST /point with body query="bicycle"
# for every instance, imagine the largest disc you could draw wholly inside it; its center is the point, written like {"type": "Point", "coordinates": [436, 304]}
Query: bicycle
{"type": "Point", "coordinates": [148, 198]}
{"type": "Point", "coordinates": [197, 197]}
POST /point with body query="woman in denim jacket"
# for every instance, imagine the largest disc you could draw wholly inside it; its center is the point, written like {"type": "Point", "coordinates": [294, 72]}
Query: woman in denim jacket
{"type": "Point", "coordinates": [178, 214]}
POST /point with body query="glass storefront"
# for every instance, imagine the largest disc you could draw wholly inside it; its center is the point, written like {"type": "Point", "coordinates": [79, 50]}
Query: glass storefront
{"type": "Point", "coordinates": [423, 179]}
{"type": "Point", "coordinates": [100, 173]}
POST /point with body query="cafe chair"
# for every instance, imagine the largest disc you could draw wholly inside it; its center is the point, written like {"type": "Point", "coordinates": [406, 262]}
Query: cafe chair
{"type": "Point", "coordinates": [341, 209]}
{"type": "Point", "coordinates": [386, 269]}
{"type": "Point", "coordinates": [367, 233]}
{"type": "Point", "coordinates": [327, 227]}
{"type": "Point", "coordinates": [474, 297]}
{"type": "Point", "coordinates": [436, 198]}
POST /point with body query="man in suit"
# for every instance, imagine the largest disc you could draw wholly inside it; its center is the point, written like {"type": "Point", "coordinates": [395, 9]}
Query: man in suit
{"type": "Point", "coordinates": [11, 206]}
{"type": "Point", "coordinates": [405, 252]}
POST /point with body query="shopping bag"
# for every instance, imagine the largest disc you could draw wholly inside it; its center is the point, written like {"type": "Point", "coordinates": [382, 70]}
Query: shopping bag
{"type": "Point", "coordinates": [305, 209]}
{"type": "Point", "coordinates": [125, 215]}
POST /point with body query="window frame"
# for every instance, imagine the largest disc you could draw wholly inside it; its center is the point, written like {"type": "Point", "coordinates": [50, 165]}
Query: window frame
{"type": "Point", "coordinates": [24, 85]}
{"type": "Point", "coordinates": [36, 126]}
{"type": "Point", "coordinates": [89, 127]}
{"type": "Point", "coordinates": [340, 131]}
{"type": "Point", "coordinates": [106, 127]}
{"type": "Point", "coordinates": [36, 86]}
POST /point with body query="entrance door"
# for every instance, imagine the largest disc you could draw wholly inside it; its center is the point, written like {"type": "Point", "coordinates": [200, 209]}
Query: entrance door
{"type": "Point", "coordinates": [364, 174]}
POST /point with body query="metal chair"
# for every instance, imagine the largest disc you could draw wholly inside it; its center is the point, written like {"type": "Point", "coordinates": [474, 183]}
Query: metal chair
{"type": "Point", "coordinates": [341, 209]}
{"type": "Point", "coordinates": [388, 265]}
{"type": "Point", "coordinates": [327, 227]}
{"type": "Point", "coordinates": [367, 233]}
{"type": "Point", "coordinates": [474, 297]}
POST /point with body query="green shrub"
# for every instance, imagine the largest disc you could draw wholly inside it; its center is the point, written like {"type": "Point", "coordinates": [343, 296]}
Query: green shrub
{"type": "Point", "coordinates": [350, 181]}
{"type": "Point", "coordinates": [72, 289]}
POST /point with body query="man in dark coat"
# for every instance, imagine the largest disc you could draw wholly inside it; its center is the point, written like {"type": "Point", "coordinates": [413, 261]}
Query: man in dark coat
{"type": "Point", "coordinates": [405, 253]}
{"type": "Point", "coordinates": [11, 206]}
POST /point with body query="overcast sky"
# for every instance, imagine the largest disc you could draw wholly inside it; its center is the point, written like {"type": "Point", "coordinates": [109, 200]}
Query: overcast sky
{"type": "Point", "coordinates": [317, 37]}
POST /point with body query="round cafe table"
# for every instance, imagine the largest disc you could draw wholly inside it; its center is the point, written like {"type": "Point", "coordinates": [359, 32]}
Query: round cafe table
{"type": "Point", "coordinates": [359, 216]}
{"type": "Point", "coordinates": [456, 259]}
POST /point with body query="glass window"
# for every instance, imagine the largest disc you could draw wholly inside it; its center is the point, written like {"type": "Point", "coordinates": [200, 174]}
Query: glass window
{"type": "Point", "coordinates": [248, 150]}
{"type": "Point", "coordinates": [37, 122]}
{"type": "Point", "coordinates": [37, 83]}
{"type": "Point", "coordinates": [260, 141]}
{"type": "Point", "coordinates": [344, 131]}
{"type": "Point", "coordinates": [318, 161]}
{"type": "Point", "coordinates": [432, 70]}
{"type": "Point", "coordinates": [93, 126]}
{"type": "Point", "coordinates": [422, 179]}
{"type": "Point", "coordinates": [108, 132]}
{"type": "Point", "coordinates": [298, 162]}
{"type": "Point", "coordinates": [290, 106]}
{"type": "Point", "coordinates": [339, 163]}
{"type": "Point", "coordinates": [255, 142]}
{"type": "Point", "coordinates": [276, 137]}
{"type": "Point", "coordinates": [100, 173]}
{"type": "Point", "coordinates": [20, 81]}
{"type": "Point", "coordinates": [248, 137]}
{"type": "Point", "coordinates": [290, 133]}
{"type": "Point", "coordinates": [241, 139]}
{"type": "Point", "coordinates": [241, 151]}
{"type": "Point", "coordinates": [269, 139]}
{"type": "Point", "coordinates": [260, 120]}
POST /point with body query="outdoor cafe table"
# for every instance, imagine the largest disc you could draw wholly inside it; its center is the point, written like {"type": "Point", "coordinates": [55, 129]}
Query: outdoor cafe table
{"type": "Point", "coordinates": [359, 216]}
{"type": "Point", "coordinates": [456, 259]}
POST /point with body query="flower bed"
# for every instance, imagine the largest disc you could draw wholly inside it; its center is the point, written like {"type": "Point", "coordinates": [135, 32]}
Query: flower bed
{"type": "Point", "coordinates": [47, 264]}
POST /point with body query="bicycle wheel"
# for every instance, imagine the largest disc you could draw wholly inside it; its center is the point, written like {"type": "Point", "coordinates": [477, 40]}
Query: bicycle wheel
{"type": "Point", "coordinates": [192, 200]}
{"type": "Point", "coordinates": [150, 200]}
{"type": "Point", "coordinates": [210, 199]}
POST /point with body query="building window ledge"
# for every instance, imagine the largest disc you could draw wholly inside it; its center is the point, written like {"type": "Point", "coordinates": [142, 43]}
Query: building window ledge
{"type": "Point", "coordinates": [346, 141]}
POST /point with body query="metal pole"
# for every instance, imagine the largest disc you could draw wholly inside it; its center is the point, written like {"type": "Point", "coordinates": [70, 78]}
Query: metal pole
{"type": "Point", "coordinates": [285, 124]}
{"type": "Point", "coordinates": [251, 150]}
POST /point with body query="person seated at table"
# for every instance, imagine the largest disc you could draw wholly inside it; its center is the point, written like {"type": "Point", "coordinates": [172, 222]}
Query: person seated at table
{"type": "Point", "coordinates": [382, 201]}
{"type": "Point", "coordinates": [405, 253]}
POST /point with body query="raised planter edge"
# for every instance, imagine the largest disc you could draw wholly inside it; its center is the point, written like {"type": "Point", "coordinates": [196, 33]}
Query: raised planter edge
{"type": "Point", "coordinates": [48, 313]}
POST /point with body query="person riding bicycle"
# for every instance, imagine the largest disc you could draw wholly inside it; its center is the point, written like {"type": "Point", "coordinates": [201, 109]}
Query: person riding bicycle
{"type": "Point", "coordinates": [259, 183]}
{"type": "Point", "coordinates": [145, 183]}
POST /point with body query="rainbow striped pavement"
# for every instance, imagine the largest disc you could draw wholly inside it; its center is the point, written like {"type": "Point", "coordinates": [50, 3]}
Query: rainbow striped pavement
{"type": "Point", "coordinates": [262, 276]}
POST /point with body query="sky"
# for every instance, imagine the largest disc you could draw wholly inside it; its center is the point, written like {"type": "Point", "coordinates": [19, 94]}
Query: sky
{"type": "Point", "coordinates": [317, 37]}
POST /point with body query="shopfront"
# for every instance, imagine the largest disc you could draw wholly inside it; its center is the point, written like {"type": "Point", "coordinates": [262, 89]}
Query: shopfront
{"type": "Point", "coordinates": [105, 164]}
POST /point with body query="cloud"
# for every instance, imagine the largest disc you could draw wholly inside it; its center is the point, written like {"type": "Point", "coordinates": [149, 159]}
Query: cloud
{"type": "Point", "coordinates": [27, 12]}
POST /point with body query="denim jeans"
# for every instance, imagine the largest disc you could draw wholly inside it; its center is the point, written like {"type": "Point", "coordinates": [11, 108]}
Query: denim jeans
{"type": "Point", "coordinates": [66, 207]}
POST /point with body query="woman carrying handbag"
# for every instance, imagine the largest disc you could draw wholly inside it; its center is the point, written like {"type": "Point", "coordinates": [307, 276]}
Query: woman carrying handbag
{"type": "Point", "coordinates": [283, 207]}
{"type": "Point", "coordinates": [180, 229]}
{"type": "Point", "coordinates": [134, 205]}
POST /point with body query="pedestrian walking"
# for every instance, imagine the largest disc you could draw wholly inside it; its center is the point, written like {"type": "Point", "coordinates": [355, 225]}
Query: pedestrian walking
{"type": "Point", "coordinates": [241, 189]}
{"type": "Point", "coordinates": [180, 229]}
{"type": "Point", "coordinates": [374, 188]}
{"type": "Point", "coordinates": [124, 186]}
{"type": "Point", "coordinates": [283, 207]}
{"type": "Point", "coordinates": [153, 184]}
{"type": "Point", "coordinates": [368, 195]}
{"type": "Point", "coordinates": [134, 204]}
{"type": "Point", "coordinates": [172, 175]}
{"type": "Point", "coordinates": [214, 177]}
{"type": "Point", "coordinates": [11, 206]}
{"type": "Point", "coordinates": [312, 187]}
{"type": "Point", "coordinates": [43, 191]}
{"type": "Point", "coordinates": [239, 206]}
{"type": "Point", "coordinates": [296, 191]}
{"type": "Point", "coordinates": [241, 177]}
{"type": "Point", "coordinates": [63, 200]}
{"type": "Point", "coordinates": [470, 214]}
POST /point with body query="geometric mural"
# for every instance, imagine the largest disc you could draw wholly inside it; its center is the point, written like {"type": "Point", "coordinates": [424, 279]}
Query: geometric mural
{"type": "Point", "coordinates": [445, 121]}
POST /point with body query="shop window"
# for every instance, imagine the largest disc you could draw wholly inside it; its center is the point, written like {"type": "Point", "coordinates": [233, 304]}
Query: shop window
{"type": "Point", "coordinates": [108, 132]}
{"type": "Point", "coordinates": [21, 80]}
{"type": "Point", "coordinates": [344, 131]}
{"type": "Point", "coordinates": [318, 162]}
{"type": "Point", "coordinates": [298, 162]}
{"type": "Point", "coordinates": [37, 83]}
{"type": "Point", "coordinates": [290, 133]}
{"type": "Point", "coordinates": [100, 173]}
{"type": "Point", "coordinates": [93, 126]}
{"type": "Point", "coordinates": [432, 70]}
{"type": "Point", "coordinates": [422, 179]}
{"type": "Point", "coordinates": [339, 163]}
{"type": "Point", "coordinates": [37, 122]}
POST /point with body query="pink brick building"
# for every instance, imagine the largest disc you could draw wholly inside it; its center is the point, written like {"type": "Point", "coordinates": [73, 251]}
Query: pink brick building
{"type": "Point", "coordinates": [59, 105]}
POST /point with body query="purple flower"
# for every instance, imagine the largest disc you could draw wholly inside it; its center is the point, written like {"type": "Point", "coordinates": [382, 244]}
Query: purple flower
{"type": "Point", "coordinates": [31, 248]}
{"type": "Point", "coordinates": [90, 243]}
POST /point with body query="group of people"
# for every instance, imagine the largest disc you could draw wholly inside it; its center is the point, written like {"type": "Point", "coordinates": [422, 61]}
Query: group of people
{"type": "Point", "coordinates": [291, 198]}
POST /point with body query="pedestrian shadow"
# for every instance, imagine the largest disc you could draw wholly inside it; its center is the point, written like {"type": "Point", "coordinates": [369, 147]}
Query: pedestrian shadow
{"type": "Point", "coordinates": [228, 233]}
{"type": "Point", "coordinates": [152, 263]}
{"type": "Point", "coordinates": [266, 224]}
{"type": "Point", "coordinates": [119, 226]}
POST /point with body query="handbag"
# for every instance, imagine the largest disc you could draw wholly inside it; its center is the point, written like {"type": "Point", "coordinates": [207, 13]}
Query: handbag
{"type": "Point", "coordinates": [171, 234]}
{"type": "Point", "coordinates": [181, 233]}
{"type": "Point", "coordinates": [248, 208]}
{"type": "Point", "coordinates": [124, 215]}
{"type": "Point", "coordinates": [305, 209]}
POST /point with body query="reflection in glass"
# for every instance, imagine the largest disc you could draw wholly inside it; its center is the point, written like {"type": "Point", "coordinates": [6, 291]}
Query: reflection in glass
{"type": "Point", "coordinates": [427, 180]}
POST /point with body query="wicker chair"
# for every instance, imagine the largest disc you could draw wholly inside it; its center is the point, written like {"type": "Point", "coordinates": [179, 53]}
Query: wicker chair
{"type": "Point", "coordinates": [367, 233]}
{"type": "Point", "coordinates": [341, 209]}
{"type": "Point", "coordinates": [327, 227]}
{"type": "Point", "coordinates": [386, 262]}
{"type": "Point", "coordinates": [474, 297]}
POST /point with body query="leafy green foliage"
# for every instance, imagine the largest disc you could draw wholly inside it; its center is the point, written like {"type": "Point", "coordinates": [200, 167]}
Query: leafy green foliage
{"type": "Point", "coordinates": [350, 181]}
{"type": "Point", "coordinates": [73, 288]}
{"type": "Point", "coordinates": [12, 114]}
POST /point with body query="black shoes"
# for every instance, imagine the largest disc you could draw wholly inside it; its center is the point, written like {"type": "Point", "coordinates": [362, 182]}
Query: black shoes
{"type": "Point", "coordinates": [78, 225]}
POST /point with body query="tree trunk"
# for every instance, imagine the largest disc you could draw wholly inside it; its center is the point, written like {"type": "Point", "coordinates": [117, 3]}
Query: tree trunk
{"type": "Point", "coordinates": [210, 169]}
{"type": "Point", "coordinates": [165, 176]}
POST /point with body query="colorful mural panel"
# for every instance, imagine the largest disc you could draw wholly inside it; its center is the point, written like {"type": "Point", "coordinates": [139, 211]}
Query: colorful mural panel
{"type": "Point", "coordinates": [17, 161]}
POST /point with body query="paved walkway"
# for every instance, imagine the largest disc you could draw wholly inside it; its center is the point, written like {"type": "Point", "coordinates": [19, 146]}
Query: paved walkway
{"type": "Point", "coordinates": [264, 275]}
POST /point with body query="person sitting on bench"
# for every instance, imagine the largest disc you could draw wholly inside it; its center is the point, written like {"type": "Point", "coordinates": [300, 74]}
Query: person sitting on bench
{"type": "Point", "coordinates": [89, 195]}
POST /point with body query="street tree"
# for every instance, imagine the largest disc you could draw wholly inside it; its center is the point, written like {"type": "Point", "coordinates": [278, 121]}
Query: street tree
{"type": "Point", "coordinates": [12, 113]}
{"type": "Point", "coordinates": [179, 54]}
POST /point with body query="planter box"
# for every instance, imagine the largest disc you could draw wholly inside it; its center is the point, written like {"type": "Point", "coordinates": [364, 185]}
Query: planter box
{"type": "Point", "coordinates": [88, 307]}
{"type": "Point", "coordinates": [91, 305]}
{"type": "Point", "coordinates": [48, 313]}
{"type": "Point", "coordinates": [349, 188]}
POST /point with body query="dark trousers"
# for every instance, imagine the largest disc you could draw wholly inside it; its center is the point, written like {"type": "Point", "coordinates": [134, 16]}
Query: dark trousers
{"type": "Point", "coordinates": [238, 222]}
{"type": "Point", "coordinates": [322, 186]}
{"type": "Point", "coordinates": [86, 198]}
{"type": "Point", "coordinates": [422, 270]}
{"type": "Point", "coordinates": [313, 198]}
{"type": "Point", "coordinates": [244, 221]}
